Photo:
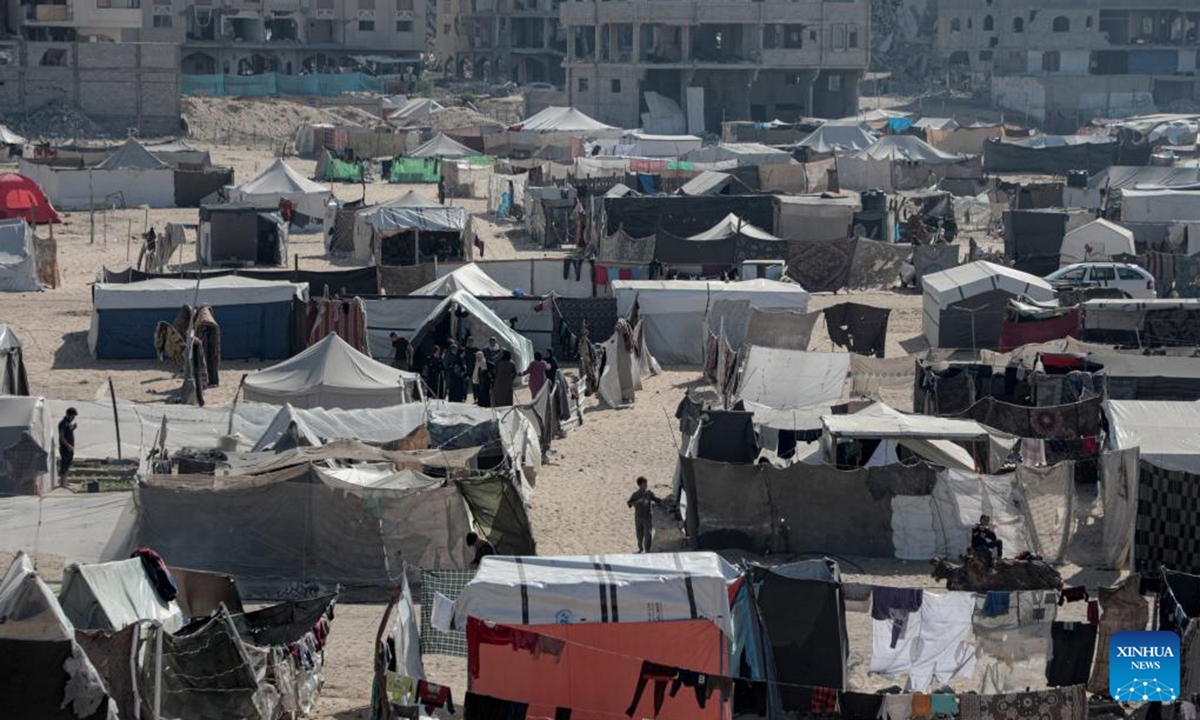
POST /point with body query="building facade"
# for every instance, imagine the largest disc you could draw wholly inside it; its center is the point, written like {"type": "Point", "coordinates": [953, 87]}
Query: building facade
{"type": "Point", "coordinates": [634, 60]}
{"type": "Point", "coordinates": [1062, 62]}
{"type": "Point", "coordinates": [244, 37]}
{"type": "Point", "coordinates": [501, 40]}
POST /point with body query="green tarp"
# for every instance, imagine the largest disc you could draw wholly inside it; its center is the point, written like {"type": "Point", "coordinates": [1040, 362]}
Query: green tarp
{"type": "Point", "coordinates": [415, 170]}
{"type": "Point", "coordinates": [335, 170]}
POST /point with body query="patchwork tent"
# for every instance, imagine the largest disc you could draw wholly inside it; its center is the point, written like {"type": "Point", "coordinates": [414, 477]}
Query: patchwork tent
{"type": "Point", "coordinates": [933, 439]}
{"type": "Point", "coordinates": [111, 595]}
{"type": "Point", "coordinates": [443, 147]}
{"type": "Point", "coordinates": [674, 610]}
{"type": "Point", "coordinates": [895, 162]}
{"type": "Point", "coordinates": [254, 315]}
{"type": "Point", "coordinates": [470, 279]}
{"type": "Point", "coordinates": [241, 234]}
{"type": "Point", "coordinates": [390, 232]}
{"type": "Point", "coordinates": [13, 378]}
{"type": "Point", "coordinates": [280, 182]}
{"type": "Point", "coordinates": [44, 673]}
{"type": "Point", "coordinates": [483, 323]}
{"type": "Point", "coordinates": [27, 447]}
{"type": "Point", "coordinates": [22, 198]}
{"type": "Point", "coordinates": [675, 312]}
{"type": "Point", "coordinates": [1098, 240]}
{"type": "Point", "coordinates": [965, 305]}
{"type": "Point", "coordinates": [332, 374]}
{"type": "Point", "coordinates": [18, 257]}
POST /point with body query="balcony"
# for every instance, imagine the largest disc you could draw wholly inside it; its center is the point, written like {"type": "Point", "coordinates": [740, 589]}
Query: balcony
{"type": "Point", "coordinates": [48, 13]}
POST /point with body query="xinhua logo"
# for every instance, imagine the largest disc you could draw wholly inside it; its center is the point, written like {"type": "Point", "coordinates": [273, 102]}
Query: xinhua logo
{"type": "Point", "coordinates": [1143, 666]}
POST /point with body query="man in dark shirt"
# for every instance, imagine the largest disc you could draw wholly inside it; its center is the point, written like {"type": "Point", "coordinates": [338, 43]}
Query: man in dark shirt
{"type": "Point", "coordinates": [984, 543]}
{"type": "Point", "coordinates": [643, 521]}
{"type": "Point", "coordinates": [482, 547]}
{"type": "Point", "coordinates": [66, 444]}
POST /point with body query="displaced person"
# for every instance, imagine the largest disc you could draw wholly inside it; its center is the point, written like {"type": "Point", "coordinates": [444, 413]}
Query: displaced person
{"type": "Point", "coordinates": [482, 548]}
{"type": "Point", "coordinates": [434, 373]}
{"type": "Point", "coordinates": [552, 362]}
{"type": "Point", "coordinates": [402, 352]}
{"type": "Point", "coordinates": [456, 375]}
{"type": "Point", "coordinates": [537, 371]}
{"type": "Point", "coordinates": [441, 191]}
{"type": "Point", "coordinates": [481, 381]}
{"type": "Point", "coordinates": [984, 543]}
{"type": "Point", "coordinates": [503, 379]}
{"type": "Point", "coordinates": [643, 521]}
{"type": "Point", "coordinates": [66, 444]}
{"type": "Point", "coordinates": [492, 351]}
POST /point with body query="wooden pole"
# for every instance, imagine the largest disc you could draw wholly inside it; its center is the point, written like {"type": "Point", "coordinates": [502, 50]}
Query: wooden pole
{"type": "Point", "coordinates": [112, 393]}
{"type": "Point", "coordinates": [128, 239]}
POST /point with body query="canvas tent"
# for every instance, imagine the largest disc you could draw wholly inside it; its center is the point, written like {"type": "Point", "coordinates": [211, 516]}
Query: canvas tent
{"type": "Point", "coordinates": [551, 133]}
{"type": "Point", "coordinates": [44, 673]}
{"type": "Point", "coordinates": [128, 177]}
{"type": "Point", "coordinates": [1098, 240]}
{"type": "Point", "coordinates": [674, 610]}
{"type": "Point", "coordinates": [641, 144]}
{"type": "Point", "coordinates": [111, 595]}
{"type": "Point", "coordinates": [390, 232]}
{"type": "Point", "coordinates": [932, 439]}
{"type": "Point", "coordinates": [833, 137]}
{"type": "Point", "coordinates": [254, 315]}
{"type": "Point", "coordinates": [241, 234]}
{"type": "Point", "coordinates": [626, 365]}
{"type": "Point", "coordinates": [18, 257]}
{"type": "Point", "coordinates": [410, 110]}
{"type": "Point", "coordinates": [13, 378]}
{"type": "Point", "coordinates": [21, 198]}
{"type": "Point", "coordinates": [674, 312]}
{"type": "Point", "coordinates": [1160, 205]}
{"type": "Point", "coordinates": [560, 119]}
{"type": "Point", "coordinates": [469, 278]}
{"type": "Point", "coordinates": [732, 226]}
{"type": "Point", "coordinates": [709, 182]}
{"type": "Point", "coordinates": [1164, 431]}
{"type": "Point", "coordinates": [482, 322]}
{"type": "Point", "coordinates": [280, 182]}
{"type": "Point", "coordinates": [744, 154]}
{"type": "Point", "coordinates": [964, 306]}
{"type": "Point", "coordinates": [895, 162]}
{"type": "Point", "coordinates": [27, 447]}
{"type": "Point", "coordinates": [332, 374]}
{"type": "Point", "coordinates": [443, 147]}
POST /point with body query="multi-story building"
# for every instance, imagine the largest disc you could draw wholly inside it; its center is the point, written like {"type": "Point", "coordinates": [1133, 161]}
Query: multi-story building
{"type": "Point", "coordinates": [247, 36]}
{"type": "Point", "coordinates": [496, 40]}
{"type": "Point", "coordinates": [1062, 62]}
{"type": "Point", "coordinates": [716, 60]}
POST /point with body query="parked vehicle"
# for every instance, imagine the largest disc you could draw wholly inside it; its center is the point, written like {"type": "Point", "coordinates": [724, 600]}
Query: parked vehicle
{"type": "Point", "coordinates": [1131, 280]}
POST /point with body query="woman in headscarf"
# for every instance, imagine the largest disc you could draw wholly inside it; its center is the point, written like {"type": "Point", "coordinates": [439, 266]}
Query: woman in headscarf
{"type": "Point", "coordinates": [481, 381]}
{"type": "Point", "coordinates": [505, 378]}
{"type": "Point", "coordinates": [434, 372]}
{"type": "Point", "coordinates": [456, 375]}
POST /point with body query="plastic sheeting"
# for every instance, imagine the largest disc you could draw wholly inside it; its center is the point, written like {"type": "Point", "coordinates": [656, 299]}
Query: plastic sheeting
{"type": "Point", "coordinates": [958, 499]}
{"type": "Point", "coordinates": [657, 587]}
{"type": "Point", "coordinates": [783, 329]}
{"type": "Point", "coordinates": [1167, 433]}
{"type": "Point", "coordinates": [792, 378]}
{"type": "Point", "coordinates": [469, 278]}
{"type": "Point", "coordinates": [18, 258]}
{"type": "Point", "coordinates": [111, 595]}
{"type": "Point", "coordinates": [1118, 486]}
{"type": "Point", "coordinates": [19, 415]}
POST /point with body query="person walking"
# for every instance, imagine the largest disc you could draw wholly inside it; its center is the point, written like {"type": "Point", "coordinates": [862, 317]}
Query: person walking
{"type": "Point", "coordinates": [481, 381]}
{"type": "Point", "coordinates": [66, 444]}
{"type": "Point", "coordinates": [643, 521]}
{"type": "Point", "coordinates": [502, 384]}
{"type": "Point", "coordinates": [441, 191]}
{"type": "Point", "coordinates": [537, 371]}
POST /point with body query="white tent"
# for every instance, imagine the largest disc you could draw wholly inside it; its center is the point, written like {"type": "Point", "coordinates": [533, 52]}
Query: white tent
{"type": "Point", "coordinates": [470, 279]}
{"type": "Point", "coordinates": [926, 436]}
{"type": "Point", "coordinates": [1159, 206]}
{"type": "Point", "coordinates": [674, 312]}
{"type": "Point", "coordinates": [625, 367]}
{"type": "Point", "coordinates": [746, 154]}
{"type": "Point", "coordinates": [832, 137]}
{"type": "Point", "coordinates": [129, 177]}
{"type": "Point", "coordinates": [485, 324]}
{"type": "Point", "coordinates": [111, 595]}
{"type": "Point", "coordinates": [411, 109]}
{"type": "Point", "coordinates": [18, 257]}
{"type": "Point", "coordinates": [1167, 432]}
{"type": "Point", "coordinates": [641, 144]}
{"type": "Point", "coordinates": [281, 182]}
{"type": "Point", "coordinates": [331, 374]}
{"type": "Point", "coordinates": [413, 211]}
{"type": "Point", "coordinates": [19, 415]}
{"type": "Point", "coordinates": [560, 119]}
{"type": "Point", "coordinates": [874, 167]}
{"type": "Point", "coordinates": [8, 137]}
{"type": "Point", "coordinates": [793, 379]}
{"type": "Point", "coordinates": [131, 155]}
{"type": "Point", "coordinates": [964, 306]}
{"type": "Point", "coordinates": [1098, 240]}
{"type": "Point", "coordinates": [441, 146]}
{"type": "Point", "coordinates": [733, 225]}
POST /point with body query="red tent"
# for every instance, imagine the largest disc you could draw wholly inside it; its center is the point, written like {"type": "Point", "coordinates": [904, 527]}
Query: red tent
{"type": "Point", "coordinates": [21, 198]}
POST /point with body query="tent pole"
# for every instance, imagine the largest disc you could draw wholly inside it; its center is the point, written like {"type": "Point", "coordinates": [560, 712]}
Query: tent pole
{"type": "Point", "coordinates": [91, 211]}
{"type": "Point", "coordinates": [128, 239]}
{"type": "Point", "coordinates": [116, 419]}
{"type": "Point", "coordinates": [158, 672]}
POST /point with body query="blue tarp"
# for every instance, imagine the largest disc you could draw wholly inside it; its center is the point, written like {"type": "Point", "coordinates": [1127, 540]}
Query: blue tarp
{"type": "Point", "coordinates": [1153, 62]}
{"type": "Point", "coordinates": [897, 125]}
{"type": "Point", "coordinates": [261, 331]}
{"type": "Point", "coordinates": [268, 84]}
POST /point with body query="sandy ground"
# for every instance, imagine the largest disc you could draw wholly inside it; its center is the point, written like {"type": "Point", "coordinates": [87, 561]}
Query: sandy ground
{"type": "Point", "coordinates": [579, 503]}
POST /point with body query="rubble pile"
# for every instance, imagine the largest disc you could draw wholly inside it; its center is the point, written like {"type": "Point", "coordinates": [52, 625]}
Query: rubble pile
{"type": "Point", "coordinates": [56, 120]}
{"type": "Point", "coordinates": [270, 119]}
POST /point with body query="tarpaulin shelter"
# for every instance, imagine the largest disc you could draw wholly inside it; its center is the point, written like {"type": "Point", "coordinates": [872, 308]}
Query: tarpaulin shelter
{"type": "Point", "coordinates": [612, 614]}
{"type": "Point", "coordinates": [389, 232]}
{"type": "Point", "coordinates": [964, 306]}
{"type": "Point", "coordinates": [484, 324]}
{"type": "Point", "coordinates": [1050, 154]}
{"type": "Point", "coordinates": [647, 145]}
{"type": "Point", "coordinates": [442, 147]}
{"type": "Point", "coordinates": [780, 378]}
{"type": "Point", "coordinates": [280, 182]}
{"type": "Point", "coordinates": [627, 362]}
{"type": "Point", "coordinates": [732, 226]}
{"type": "Point", "coordinates": [468, 278]}
{"type": "Point", "coordinates": [1112, 182]}
{"type": "Point", "coordinates": [1098, 240]}
{"type": "Point", "coordinates": [555, 133]}
{"type": "Point", "coordinates": [21, 198]}
{"type": "Point", "coordinates": [13, 379]}
{"type": "Point", "coordinates": [815, 217]}
{"type": "Point", "coordinates": [111, 595]}
{"type": "Point", "coordinates": [18, 257]}
{"type": "Point", "coordinates": [1159, 205]}
{"type": "Point", "coordinates": [933, 439]}
{"type": "Point", "coordinates": [27, 464]}
{"type": "Point", "coordinates": [560, 119]}
{"type": "Point", "coordinates": [411, 109]}
{"type": "Point", "coordinates": [332, 374]}
{"type": "Point", "coordinates": [414, 170]}
{"type": "Point", "coordinates": [745, 154]}
{"type": "Point", "coordinates": [254, 315]}
{"type": "Point", "coordinates": [1167, 433]}
{"type": "Point", "coordinates": [883, 165]}
{"type": "Point", "coordinates": [1144, 323]}
{"type": "Point", "coordinates": [674, 312]}
{"type": "Point", "coordinates": [709, 182]}
{"type": "Point", "coordinates": [1024, 324]}
{"type": "Point", "coordinates": [1033, 239]}
{"type": "Point", "coordinates": [241, 234]}
{"type": "Point", "coordinates": [833, 137]}
{"type": "Point", "coordinates": [331, 168]}
{"type": "Point", "coordinates": [44, 673]}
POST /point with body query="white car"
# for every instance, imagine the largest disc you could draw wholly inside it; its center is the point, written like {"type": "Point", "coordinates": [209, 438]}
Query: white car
{"type": "Point", "coordinates": [1132, 281]}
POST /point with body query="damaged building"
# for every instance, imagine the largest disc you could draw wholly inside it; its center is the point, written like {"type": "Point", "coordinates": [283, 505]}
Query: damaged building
{"type": "Point", "coordinates": [687, 66]}
{"type": "Point", "coordinates": [497, 40]}
{"type": "Point", "coordinates": [1063, 62]}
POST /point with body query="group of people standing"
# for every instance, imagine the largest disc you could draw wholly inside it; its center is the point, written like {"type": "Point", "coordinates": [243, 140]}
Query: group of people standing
{"type": "Point", "coordinates": [489, 374]}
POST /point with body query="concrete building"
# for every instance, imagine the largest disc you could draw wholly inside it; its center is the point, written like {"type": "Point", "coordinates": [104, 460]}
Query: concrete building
{"type": "Point", "coordinates": [246, 36]}
{"type": "Point", "coordinates": [715, 60]}
{"type": "Point", "coordinates": [497, 40]}
{"type": "Point", "coordinates": [1064, 61]}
